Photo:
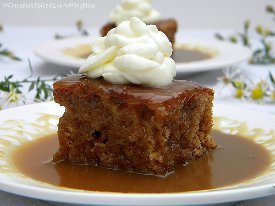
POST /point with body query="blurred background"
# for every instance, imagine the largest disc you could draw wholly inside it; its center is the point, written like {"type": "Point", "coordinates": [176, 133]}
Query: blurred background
{"type": "Point", "coordinates": [191, 14]}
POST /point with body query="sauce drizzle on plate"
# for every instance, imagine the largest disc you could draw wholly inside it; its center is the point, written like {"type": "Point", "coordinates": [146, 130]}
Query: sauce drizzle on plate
{"type": "Point", "coordinates": [236, 160]}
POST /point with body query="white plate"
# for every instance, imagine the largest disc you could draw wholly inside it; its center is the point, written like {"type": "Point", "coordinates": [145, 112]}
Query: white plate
{"type": "Point", "coordinates": [225, 54]}
{"type": "Point", "coordinates": [34, 121]}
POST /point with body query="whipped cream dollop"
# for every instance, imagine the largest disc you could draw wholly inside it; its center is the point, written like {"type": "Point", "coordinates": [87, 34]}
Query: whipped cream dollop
{"type": "Point", "coordinates": [134, 8]}
{"type": "Point", "coordinates": [132, 53]}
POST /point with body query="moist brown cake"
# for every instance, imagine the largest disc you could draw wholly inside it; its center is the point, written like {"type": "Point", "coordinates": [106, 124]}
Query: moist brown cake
{"type": "Point", "coordinates": [130, 127]}
{"type": "Point", "coordinates": [168, 27]}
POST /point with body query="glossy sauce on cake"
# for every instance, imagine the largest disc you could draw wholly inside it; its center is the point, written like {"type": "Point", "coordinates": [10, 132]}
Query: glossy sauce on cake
{"type": "Point", "coordinates": [128, 91]}
{"type": "Point", "coordinates": [236, 160]}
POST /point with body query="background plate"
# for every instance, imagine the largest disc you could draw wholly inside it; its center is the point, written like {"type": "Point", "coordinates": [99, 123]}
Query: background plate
{"type": "Point", "coordinates": [225, 54]}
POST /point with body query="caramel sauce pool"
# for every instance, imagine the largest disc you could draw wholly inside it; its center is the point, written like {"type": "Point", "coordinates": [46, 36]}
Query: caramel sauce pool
{"type": "Point", "coordinates": [236, 160]}
{"type": "Point", "coordinates": [180, 55]}
{"type": "Point", "coordinates": [184, 55]}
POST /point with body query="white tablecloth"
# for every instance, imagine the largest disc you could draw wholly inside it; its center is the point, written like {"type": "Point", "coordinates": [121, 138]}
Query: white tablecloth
{"type": "Point", "coordinates": [21, 40]}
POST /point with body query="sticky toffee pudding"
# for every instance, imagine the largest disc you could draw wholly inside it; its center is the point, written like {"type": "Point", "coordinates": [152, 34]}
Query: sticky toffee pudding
{"type": "Point", "coordinates": [131, 127]}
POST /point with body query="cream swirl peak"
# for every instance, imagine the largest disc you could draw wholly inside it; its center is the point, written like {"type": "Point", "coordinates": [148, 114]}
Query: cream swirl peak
{"type": "Point", "coordinates": [134, 8]}
{"type": "Point", "coordinates": [132, 52]}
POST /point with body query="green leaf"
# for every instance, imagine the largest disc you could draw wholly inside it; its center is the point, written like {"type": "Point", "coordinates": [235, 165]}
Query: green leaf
{"type": "Point", "coordinates": [257, 51]}
{"type": "Point", "coordinates": [9, 77]}
{"type": "Point", "coordinates": [31, 87]}
{"type": "Point", "coordinates": [38, 92]}
{"type": "Point", "coordinates": [16, 58]}
{"type": "Point", "coordinates": [271, 77]}
{"type": "Point", "coordinates": [246, 25]}
{"type": "Point", "coordinates": [85, 33]}
{"type": "Point", "coordinates": [233, 39]}
{"type": "Point", "coordinates": [219, 36]}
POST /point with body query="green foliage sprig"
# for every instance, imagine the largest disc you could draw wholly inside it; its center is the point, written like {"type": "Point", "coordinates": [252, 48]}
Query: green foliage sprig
{"type": "Point", "coordinates": [242, 37]}
{"type": "Point", "coordinates": [4, 52]}
{"type": "Point", "coordinates": [263, 54]}
{"type": "Point", "coordinates": [11, 90]}
{"type": "Point", "coordinates": [80, 31]}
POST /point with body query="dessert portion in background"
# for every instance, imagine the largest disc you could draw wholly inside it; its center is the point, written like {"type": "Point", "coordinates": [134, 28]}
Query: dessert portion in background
{"type": "Point", "coordinates": [144, 11]}
{"type": "Point", "coordinates": [127, 112]}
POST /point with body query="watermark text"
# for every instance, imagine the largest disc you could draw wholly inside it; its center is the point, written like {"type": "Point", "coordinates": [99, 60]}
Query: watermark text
{"type": "Point", "coordinates": [53, 5]}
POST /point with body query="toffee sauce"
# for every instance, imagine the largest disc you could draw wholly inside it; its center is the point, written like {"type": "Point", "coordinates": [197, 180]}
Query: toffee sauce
{"type": "Point", "coordinates": [184, 55]}
{"type": "Point", "coordinates": [234, 161]}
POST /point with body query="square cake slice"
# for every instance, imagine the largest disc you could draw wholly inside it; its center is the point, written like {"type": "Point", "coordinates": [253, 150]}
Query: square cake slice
{"type": "Point", "coordinates": [130, 127]}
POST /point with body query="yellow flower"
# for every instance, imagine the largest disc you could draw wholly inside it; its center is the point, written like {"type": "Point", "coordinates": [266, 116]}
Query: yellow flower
{"type": "Point", "coordinates": [273, 95]}
{"type": "Point", "coordinates": [259, 29]}
{"type": "Point", "coordinates": [10, 99]}
{"type": "Point", "coordinates": [13, 97]}
{"type": "Point", "coordinates": [239, 88]}
{"type": "Point", "coordinates": [239, 93]}
{"type": "Point", "coordinates": [257, 92]}
{"type": "Point", "coordinates": [267, 32]}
